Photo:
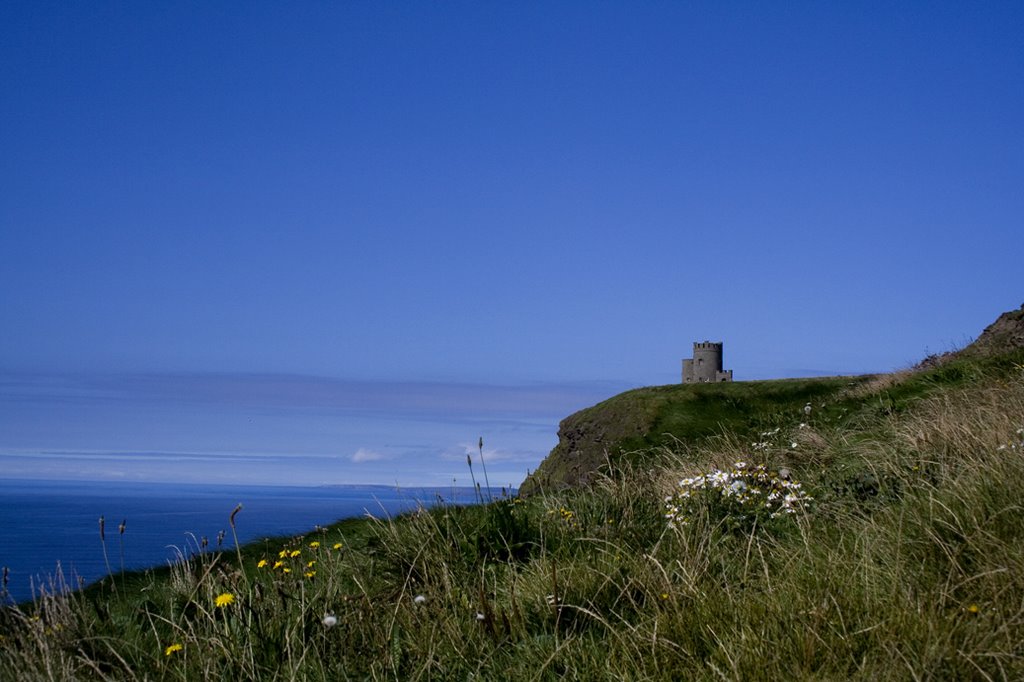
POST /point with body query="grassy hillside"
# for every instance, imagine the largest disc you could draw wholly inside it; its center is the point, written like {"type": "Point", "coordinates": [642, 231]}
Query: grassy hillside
{"type": "Point", "coordinates": [879, 537]}
{"type": "Point", "coordinates": [637, 425]}
{"type": "Point", "coordinates": [631, 426]}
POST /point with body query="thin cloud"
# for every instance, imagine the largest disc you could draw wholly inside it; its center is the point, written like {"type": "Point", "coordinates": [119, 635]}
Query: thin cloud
{"type": "Point", "coordinates": [363, 455]}
{"type": "Point", "coordinates": [458, 454]}
{"type": "Point", "coordinates": [279, 429]}
{"type": "Point", "coordinates": [312, 393]}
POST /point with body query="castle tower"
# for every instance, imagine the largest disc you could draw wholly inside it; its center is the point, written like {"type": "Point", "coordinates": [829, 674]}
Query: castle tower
{"type": "Point", "coordinates": [706, 364]}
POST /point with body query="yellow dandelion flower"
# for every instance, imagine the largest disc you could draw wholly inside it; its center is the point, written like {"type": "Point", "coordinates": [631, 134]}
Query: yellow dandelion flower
{"type": "Point", "coordinates": [262, 563]}
{"type": "Point", "coordinates": [172, 648]}
{"type": "Point", "coordinates": [295, 553]}
{"type": "Point", "coordinates": [286, 570]}
{"type": "Point", "coordinates": [283, 554]}
{"type": "Point", "coordinates": [973, 608]}
{"type": "Point", "coordinates": [225, 599]}
{"type": "Point", "coordinates": [664, 596]}
{"type": "Point", "coordinates": [310, 564]}
{"type": "Point", "coordinates": [310, 574]}
{"type": "Point", "coordinates": [278, 564]}
{"type": "Point", "coordinates": [337, 545]}
{"type": "Point", "coordinates": [314, 544]}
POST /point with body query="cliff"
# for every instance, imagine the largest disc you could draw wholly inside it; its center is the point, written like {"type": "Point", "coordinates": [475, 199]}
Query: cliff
{"type": "Point", "coordinates": [633, 425]}
{"type": "Point", "coordinates": [1003, 335]}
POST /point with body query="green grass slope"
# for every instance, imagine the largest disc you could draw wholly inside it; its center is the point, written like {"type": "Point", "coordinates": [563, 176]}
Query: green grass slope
{"type": "Point", "coordinates": [632, 425]}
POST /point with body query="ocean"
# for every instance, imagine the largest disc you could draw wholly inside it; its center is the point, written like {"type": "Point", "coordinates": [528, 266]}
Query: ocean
{"type": "Point", "coordinates": [46, 524]}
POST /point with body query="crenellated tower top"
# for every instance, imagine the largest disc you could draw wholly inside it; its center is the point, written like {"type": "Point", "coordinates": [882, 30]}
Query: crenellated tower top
{"type": "Point", "coordinates": [706, 364]}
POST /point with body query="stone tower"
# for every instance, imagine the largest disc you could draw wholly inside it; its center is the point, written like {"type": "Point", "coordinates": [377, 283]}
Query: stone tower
{"type": "Point", "coordinates": [706, 365]}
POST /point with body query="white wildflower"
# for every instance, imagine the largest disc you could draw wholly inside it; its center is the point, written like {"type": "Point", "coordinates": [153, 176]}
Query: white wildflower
{"type": "Point", "coordinates": [747, 490]}
{"type": "Point", "coordinates": [330, 620]}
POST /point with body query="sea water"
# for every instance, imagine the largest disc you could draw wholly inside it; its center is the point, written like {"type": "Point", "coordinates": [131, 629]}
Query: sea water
{"type": "Point", "coordinates": [46, 524]}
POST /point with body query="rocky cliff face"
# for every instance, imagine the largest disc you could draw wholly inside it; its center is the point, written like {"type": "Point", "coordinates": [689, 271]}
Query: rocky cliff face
{"type": "Point", "coordinates": [586, 439]}
{"type": "Point", "coordinates": [1002, 336]}
{"type": "Point", "coordinates": [1005, 334]}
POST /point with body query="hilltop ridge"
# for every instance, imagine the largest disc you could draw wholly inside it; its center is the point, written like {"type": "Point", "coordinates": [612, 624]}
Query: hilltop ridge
{"type": "Point", "coordinates": [632, 425]}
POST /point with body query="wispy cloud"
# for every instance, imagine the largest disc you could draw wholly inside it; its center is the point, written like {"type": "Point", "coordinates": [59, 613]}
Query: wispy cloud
{"type": "Point", "coordinates": [364, 455]}
{"type": "Point", "coordinates": [457, 453]}
{"type": "Point", "coordinates": [313, 393]}
{"type": "Point", "coordinates": [275, 428]}
{"type": "Point", "coordinates": [190, 467]}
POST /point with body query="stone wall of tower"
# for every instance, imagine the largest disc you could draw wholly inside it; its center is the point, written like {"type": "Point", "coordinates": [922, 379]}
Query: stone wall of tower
{"type": "Point", "coordinates": [707, 361]}
{"type": "Point", "coordinates": [706, 365]}
{"type": "Point", "coordinates": [687, 371]}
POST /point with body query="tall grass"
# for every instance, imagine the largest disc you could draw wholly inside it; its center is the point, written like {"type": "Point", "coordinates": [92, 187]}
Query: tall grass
{"type": "Point", "coordinates": [907, 565]}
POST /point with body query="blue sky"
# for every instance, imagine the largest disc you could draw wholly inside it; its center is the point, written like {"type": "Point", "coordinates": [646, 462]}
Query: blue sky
{"type": "Point", "coordinates": [390, 228]}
